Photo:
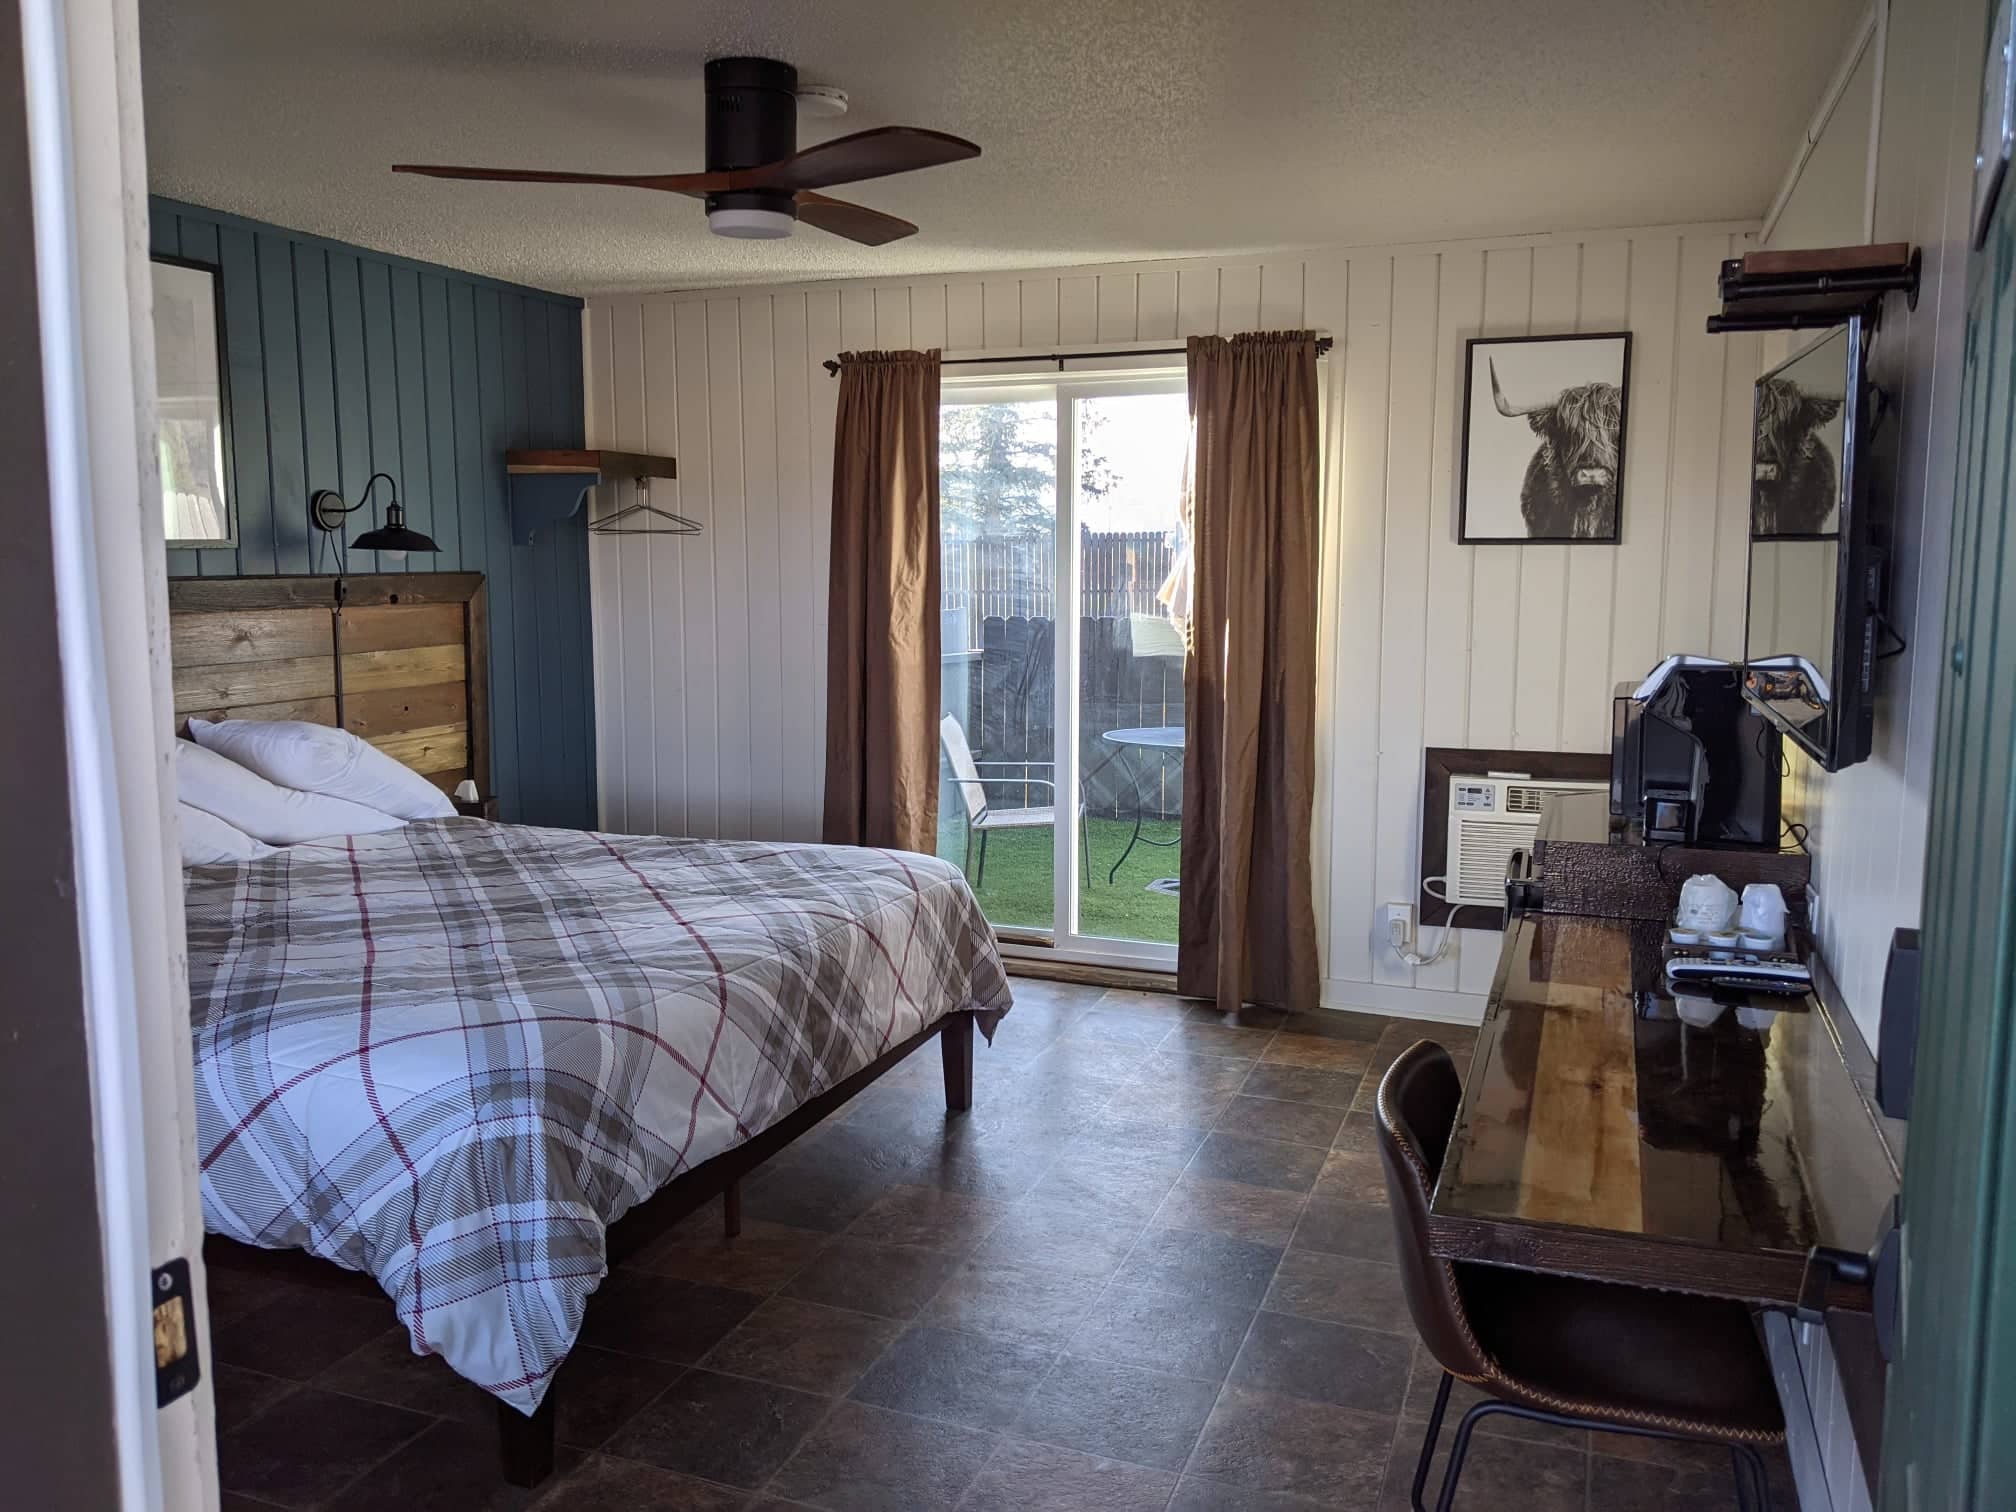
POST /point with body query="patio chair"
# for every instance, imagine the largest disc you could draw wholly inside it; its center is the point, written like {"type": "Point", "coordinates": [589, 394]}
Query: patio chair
{"type": "Point", "coordinates": [982, 818]}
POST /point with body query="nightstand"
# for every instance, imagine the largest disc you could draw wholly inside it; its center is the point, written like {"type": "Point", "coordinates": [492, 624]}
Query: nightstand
{"type": "Point", "coordinates": [481, 808]}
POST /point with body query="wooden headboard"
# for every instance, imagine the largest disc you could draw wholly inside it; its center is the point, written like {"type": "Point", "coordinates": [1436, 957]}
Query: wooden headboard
{"type": "Point", "coordinates": [398, 658]}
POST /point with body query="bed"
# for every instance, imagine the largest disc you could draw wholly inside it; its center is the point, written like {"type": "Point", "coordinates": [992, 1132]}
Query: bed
{"type": "Point", "coordinates": [453, 1055]}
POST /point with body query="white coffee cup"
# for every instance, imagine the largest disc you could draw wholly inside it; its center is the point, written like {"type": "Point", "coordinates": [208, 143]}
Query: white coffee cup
{"type": "Point", "coordinates": [1763, 911]}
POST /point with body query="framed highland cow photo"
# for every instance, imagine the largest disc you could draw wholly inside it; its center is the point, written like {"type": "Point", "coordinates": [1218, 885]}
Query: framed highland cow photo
{"type": "Point", "coordinates": [1543, 439]}
{"type": "Point", "coordinates": [1796, 451]}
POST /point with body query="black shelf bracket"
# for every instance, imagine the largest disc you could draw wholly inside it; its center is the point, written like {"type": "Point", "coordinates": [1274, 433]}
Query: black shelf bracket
{"type": "Point", "coordinates": [1797, 291]}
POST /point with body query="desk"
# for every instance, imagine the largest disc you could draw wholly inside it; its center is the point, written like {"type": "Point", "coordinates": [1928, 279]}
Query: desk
{"type": "Point", "coordinates": [1601, 1136]}
{"type": "Point", "coordinates": [1164, 738]}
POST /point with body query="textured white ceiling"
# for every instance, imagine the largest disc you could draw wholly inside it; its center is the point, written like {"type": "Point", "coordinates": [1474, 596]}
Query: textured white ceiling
{"type": "Point", "coordinates": [1111, 129]}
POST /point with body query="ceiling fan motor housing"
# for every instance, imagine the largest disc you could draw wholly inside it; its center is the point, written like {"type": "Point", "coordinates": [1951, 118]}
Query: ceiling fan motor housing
{"type": "Point", "coordinates": [752, 119]}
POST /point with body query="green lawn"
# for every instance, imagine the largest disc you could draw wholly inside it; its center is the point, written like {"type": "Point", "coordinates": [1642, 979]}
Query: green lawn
{"type": "Point", "coordinates": [1016, 891]}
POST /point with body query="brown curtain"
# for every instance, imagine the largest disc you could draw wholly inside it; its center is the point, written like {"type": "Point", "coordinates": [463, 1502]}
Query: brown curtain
{"type": "Point", "coordinates": [1247, 929]}
{"type": "Point", "coordinates": [882, 605]}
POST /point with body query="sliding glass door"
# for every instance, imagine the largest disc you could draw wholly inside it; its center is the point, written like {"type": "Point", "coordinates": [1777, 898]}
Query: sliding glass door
{"type": "Point", "coordinates": [1065, 586]}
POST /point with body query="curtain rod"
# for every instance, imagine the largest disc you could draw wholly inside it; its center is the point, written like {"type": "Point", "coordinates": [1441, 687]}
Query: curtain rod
{"type": "Point", "coordinates": [1323, 345]}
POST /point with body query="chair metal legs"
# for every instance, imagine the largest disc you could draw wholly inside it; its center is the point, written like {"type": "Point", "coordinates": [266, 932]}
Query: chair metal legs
{"type": "Point", "coordinates": [1458, 1452]}
{"type": "Point", "coordinates": [1753, 1487]}
{"type": "Point", "coordinates": [1428, 1441]}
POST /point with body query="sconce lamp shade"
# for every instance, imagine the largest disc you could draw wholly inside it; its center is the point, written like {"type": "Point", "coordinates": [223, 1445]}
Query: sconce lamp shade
{"type": "Point", "coordinates": [393, 534]}
{"type": "Point", "coordinates": [326, 511]}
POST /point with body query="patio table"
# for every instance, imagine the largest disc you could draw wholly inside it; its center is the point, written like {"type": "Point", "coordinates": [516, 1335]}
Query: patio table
{"type": "Point", "coordinates": [1158, 738]}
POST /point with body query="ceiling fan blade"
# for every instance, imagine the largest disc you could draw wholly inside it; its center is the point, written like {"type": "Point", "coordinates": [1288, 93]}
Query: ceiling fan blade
{"type": "Point", "coordinates": [864, 155]}
{"type": "Point", "coordinates": [675, 183]}
{"type": "Point", "coordinates": [857, 223]}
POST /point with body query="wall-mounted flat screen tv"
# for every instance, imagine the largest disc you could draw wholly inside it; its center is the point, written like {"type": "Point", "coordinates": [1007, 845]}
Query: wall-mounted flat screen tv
{"type": "Point", "coordinates": [1809, 649]}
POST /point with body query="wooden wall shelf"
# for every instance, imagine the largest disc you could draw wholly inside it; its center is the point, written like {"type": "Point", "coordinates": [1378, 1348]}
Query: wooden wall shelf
{"type": "Point", "coordinates": [1811, 289]}
{"type": "Point", "coordinates": [548, 486]}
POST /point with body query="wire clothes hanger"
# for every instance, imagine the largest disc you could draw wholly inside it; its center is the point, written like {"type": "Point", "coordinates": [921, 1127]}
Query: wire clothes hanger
{"type": "Point", "coordinates": [640, 514]}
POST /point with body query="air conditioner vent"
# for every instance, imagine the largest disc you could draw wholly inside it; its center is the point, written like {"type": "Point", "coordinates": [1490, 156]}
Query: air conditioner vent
{"type": "Point", "coordinates": [1489, 819]}
{"type": "Point", "coordinates": [1480, 863]}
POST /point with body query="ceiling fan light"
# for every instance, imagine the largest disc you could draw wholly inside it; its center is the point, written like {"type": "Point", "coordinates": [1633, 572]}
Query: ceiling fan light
{"type": "Point", "coordinates": [751, 225]}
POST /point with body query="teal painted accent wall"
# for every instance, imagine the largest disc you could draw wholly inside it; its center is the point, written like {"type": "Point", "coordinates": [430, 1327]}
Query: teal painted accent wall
{"type": "Point", "coordinates": [341, 363]}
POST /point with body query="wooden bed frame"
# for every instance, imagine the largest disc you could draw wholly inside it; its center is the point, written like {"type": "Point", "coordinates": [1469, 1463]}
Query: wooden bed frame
{"type": "Point", "coordinates": [400, 659]}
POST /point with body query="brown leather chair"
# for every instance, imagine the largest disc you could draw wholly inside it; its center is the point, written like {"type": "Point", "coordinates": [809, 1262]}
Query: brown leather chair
{"type": "Point", "coordinates": [1557, 1349]}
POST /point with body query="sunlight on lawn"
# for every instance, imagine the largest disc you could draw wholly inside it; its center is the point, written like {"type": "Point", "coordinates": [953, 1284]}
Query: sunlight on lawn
{"type": "Point", "coordinates": [1016, 890]}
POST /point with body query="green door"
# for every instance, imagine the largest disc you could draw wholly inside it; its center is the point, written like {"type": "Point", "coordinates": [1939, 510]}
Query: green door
{"type": "Point", "coordinates": [1950, 1436]}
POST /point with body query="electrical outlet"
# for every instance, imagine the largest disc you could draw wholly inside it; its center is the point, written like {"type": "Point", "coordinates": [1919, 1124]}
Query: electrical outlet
{"type": "Point", "coordinates": [1812, 909]}
{"type": "Point", "coordinates": [1400, 925]}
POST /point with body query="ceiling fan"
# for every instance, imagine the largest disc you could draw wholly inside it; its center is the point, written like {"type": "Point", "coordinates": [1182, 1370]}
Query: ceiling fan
{"type": "Point", "coordinates": [757, 183]}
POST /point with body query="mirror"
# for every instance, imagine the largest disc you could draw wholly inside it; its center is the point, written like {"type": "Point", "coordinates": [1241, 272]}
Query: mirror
{"type": "Point", "coordinates": [1806, 637]}
{"type": "Point", "coordinates": [190, 405]}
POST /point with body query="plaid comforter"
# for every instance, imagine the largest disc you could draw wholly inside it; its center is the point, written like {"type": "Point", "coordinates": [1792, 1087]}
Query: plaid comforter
{"type": "Point", "coordinates": [451, 1054]}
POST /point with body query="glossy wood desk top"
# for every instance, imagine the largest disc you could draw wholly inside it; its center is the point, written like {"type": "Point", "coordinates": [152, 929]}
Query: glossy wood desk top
{"type": "Point", "coordinates": [1602, 1135]}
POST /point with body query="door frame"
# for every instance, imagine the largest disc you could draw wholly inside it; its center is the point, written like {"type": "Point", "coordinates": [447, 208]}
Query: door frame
{"type": "Point", "coordinates": [1085, 378]}
{"type": "Point", "coordinates": [84, 192]}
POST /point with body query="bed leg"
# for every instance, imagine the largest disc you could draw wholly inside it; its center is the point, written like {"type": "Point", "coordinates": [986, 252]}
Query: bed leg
{"type": "Point", "coordinates": [525, 1445]}
{"type": "Point", "coordinates": [731, 1209]}
{"type": "Point", "coordinates": [956, 1041]}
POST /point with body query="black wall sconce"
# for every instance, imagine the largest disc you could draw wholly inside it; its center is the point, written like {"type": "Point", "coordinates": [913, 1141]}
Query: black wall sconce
{"type": "Point", "coordinates": [326, 511]}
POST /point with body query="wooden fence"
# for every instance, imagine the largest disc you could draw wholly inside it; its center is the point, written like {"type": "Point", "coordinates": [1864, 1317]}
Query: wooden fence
{"type": "Point", "coordinates": [1005, 696]}
{"type": "Point", "coordinates": [1119, 573]}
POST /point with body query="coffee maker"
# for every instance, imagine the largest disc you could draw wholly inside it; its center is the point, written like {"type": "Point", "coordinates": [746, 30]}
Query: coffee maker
{"type": "Point", "coordinates": [1693, 763]}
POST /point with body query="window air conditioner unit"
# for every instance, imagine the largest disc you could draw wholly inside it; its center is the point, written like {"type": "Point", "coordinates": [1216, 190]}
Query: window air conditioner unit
{"type": "Point", "coordinates": [1490, 817]}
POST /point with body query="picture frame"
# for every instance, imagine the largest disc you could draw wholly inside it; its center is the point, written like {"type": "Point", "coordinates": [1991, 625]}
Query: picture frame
{"type": "Point", "coordinates": [1544, 425]}
{"type": "Point", "coordinates": [192, 407]}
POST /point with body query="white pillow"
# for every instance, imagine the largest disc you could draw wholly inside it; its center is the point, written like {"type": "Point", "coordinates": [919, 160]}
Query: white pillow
{"type": "Point", "coordinates": [209, 841]}
{"type": "Point", "coordinates": [323, 759]}
{"type": "Point", "coordinates": [279, 816]}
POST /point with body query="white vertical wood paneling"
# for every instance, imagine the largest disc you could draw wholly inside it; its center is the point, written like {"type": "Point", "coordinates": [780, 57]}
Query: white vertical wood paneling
{"type": "Point", "coordinates": [809, 615]}
{"type": "Point", "coordinates": [711, 651]}
{"type": "Point", "coordinates": [1001, 306]}
{"type": "Point", "coordinates": [1367, 350]}
{"type": "Point", "coordinates": [1409, 451]}
{"type": "Point", "coordinates": [1280, 296]}
{"type": "Point", "coordinates": [1238, 298]}
{"type": "Point", "coordinates": [656, 755]}
{"type": "Point", "coordinates": [1197, 302]}
{"type": "Point", "coordinates": [1445, 605]}
{"type": "Point", "coordinates": [1695, 470]}
{"type": "Point", "coordinates": [1494, 575]}
{"type": "Point", "coordinates": [764, 543]}
{"type": "Point", "coordinates": [893, 326]}
{"type": "Point", "coordinates": [857, 319]}
{"type": "Point", "coordinates": [598, 372]}
{"type": "Point", "coordinates": [733, 700]}
{"type": "Point", "coordinates": [1077, 309]}
{"type": "Point", "coordinates": [1603, 295]}
{"type": "Point", "coordinates": [1460, 316]}
{"type": "Point", "coordinates": [1648, 436]}
{"type": "Point", "coordinates": [1325, 296]}
{"type": "Point", "coordinates": [1543, 570]}
{"type": "Point", "coordinates": [796, 372]}
{"type": "Point", "coordinates": [1732, 519]}
{"type": "Point", "coordinates": [1117, 292]}
{"type": "Point", "coordinates": [1039, 311]}
{"type": "Point", "coordinates": [694, 584]}
{"type": "Point", "coordinates": [927, 316]}
{"type": "Point", "coordinates": [1155, 307]}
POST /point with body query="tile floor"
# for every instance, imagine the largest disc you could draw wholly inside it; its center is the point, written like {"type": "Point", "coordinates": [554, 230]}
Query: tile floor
{"type": "Point", "coordinates": [1150, 1270]}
